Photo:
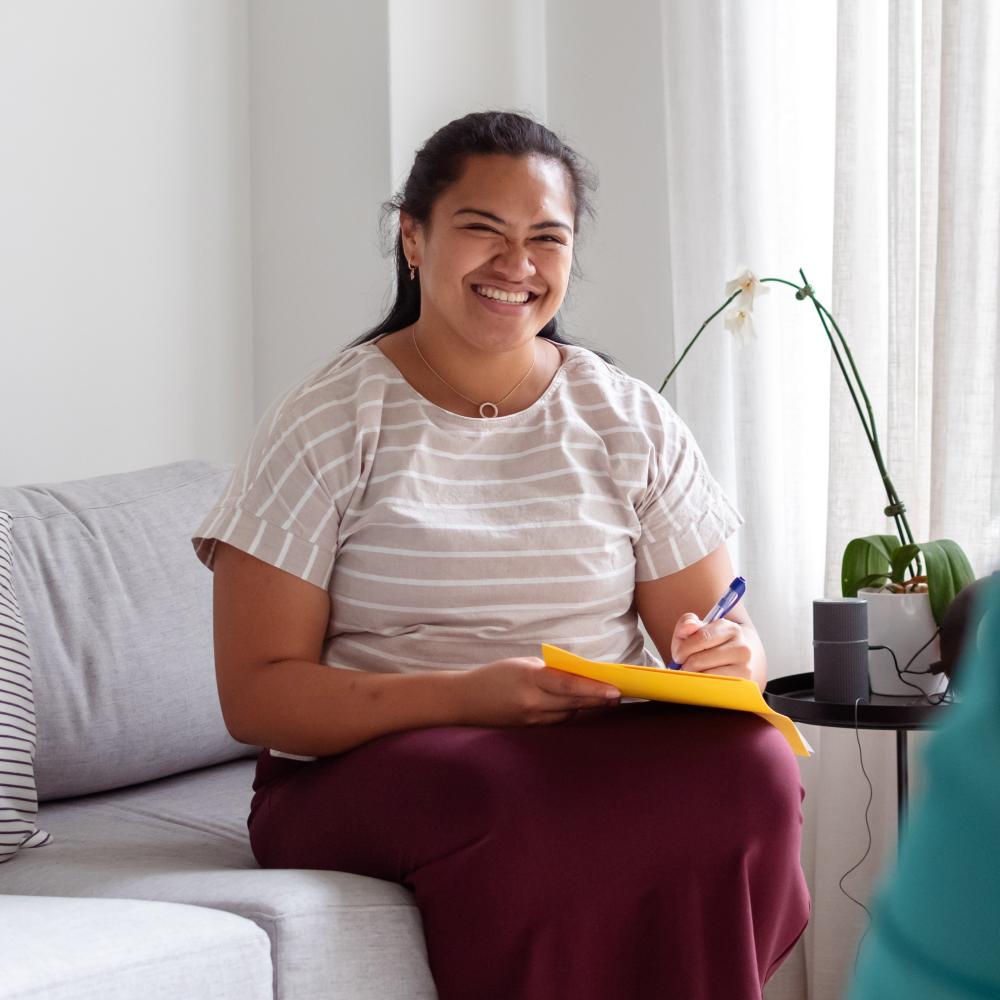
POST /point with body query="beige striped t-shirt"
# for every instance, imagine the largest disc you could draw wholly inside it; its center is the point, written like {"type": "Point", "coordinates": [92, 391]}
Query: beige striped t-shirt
{"type": "Point", "coordinates": [446, 541]}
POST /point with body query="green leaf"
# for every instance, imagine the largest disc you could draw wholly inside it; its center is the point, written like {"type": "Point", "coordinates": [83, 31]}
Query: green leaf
{"type": "Point", "coordinates": [863, 558]}
{"type": "Point", "coordinates": [901, 558]}
{"type": "Point", "coordinates": [948, 572]}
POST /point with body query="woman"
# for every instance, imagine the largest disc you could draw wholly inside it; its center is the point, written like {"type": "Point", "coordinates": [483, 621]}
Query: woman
{"type": "Point", "coordinates": [411, 521]}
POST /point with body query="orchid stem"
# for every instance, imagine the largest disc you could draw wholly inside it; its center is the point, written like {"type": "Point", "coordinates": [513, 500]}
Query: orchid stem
{"type": "Point", "coordinates": [896, 508]}
{"type": "Point", "coordinates": [694, 338]}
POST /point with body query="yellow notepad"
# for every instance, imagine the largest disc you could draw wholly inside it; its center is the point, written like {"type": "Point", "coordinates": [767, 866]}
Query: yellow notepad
{"type": "Point", "coordinates": [685, 687]}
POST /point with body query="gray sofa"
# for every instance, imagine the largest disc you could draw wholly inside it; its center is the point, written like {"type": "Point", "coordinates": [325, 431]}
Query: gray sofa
{"type": "Point", "coordinates": [147, 885]}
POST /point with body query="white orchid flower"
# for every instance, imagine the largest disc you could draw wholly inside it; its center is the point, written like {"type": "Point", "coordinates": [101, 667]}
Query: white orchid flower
{"type": "Point", "coordinates": [749, 285]}
{"type": "Point", "coordinates": [739, 322]}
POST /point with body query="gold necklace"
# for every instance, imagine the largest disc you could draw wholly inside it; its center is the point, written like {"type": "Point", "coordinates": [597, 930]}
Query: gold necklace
{"type": "Point", "coordinates": [483, 407]}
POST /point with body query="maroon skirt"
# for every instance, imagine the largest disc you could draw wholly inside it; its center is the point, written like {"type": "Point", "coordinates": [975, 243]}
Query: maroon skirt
{"type": "Point", "coordinates": [650, 851]}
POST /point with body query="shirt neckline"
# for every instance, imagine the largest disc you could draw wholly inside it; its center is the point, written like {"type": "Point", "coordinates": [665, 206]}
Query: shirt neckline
{"type": "Point", "coordinates": [568, 352]}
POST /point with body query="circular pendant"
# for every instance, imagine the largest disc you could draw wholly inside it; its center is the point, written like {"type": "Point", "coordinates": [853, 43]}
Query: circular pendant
{"type": "Point", "coordinates": [484, 407]}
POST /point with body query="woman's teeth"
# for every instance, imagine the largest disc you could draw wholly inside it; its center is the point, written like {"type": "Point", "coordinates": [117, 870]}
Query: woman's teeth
{"type": "Point", "coordinates": [516, 298]}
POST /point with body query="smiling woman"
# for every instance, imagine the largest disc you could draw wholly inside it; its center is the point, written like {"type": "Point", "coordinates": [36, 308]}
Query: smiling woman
{"type": "Point", "coordinates": [408, 525]}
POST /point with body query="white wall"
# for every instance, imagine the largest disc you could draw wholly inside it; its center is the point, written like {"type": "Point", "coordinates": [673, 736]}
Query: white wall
{"type": "Point", "coordinates": [606, 99]}
{"type": "Point", "coordinates": [124, 241]}
{"type": "Point", "coordinates": [189, 196]}
{"type": "Point", "coordinates": [450, 57]}
{"type": "Point", "coordinates": [319, 99]}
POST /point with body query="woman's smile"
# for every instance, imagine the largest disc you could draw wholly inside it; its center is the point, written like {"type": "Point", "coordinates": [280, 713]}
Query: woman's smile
{"type": "Point", "coordinates": [502, 302]}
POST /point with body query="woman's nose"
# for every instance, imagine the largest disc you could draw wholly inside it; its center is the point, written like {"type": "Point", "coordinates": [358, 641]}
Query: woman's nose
{"type": "Point", "coordinates": [516, 262]}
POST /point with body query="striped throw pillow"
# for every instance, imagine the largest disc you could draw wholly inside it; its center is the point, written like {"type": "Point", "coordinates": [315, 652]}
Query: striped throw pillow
{"type": "Point", "coordinates": [18, 801]}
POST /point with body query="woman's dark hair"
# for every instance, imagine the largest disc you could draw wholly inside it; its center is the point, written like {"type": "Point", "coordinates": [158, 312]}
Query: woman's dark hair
{"type": "Point", "coordinates": [441, 161]}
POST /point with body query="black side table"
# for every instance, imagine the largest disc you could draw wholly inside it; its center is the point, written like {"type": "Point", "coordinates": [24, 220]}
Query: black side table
{"type": "Point", "coordinates": [794, 696]}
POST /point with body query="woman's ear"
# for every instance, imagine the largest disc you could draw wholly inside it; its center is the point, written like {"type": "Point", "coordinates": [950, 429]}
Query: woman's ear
{"type": "Point", "coordinates": [409, 230]}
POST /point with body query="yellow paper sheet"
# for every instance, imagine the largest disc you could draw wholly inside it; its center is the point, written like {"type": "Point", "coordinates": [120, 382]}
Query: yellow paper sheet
{"type": "Point", "coordinates": [685, 687]}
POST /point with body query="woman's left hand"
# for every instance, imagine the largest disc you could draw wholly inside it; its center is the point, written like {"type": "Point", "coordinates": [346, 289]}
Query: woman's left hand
{"type": "Point", "coordinates": [720, 647]}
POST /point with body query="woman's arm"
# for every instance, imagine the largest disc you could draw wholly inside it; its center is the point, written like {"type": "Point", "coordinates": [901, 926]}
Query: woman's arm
{"type": "Point", "coordinates": [275, 691]}
{"type": "Point", "coordinates": [671, 609]}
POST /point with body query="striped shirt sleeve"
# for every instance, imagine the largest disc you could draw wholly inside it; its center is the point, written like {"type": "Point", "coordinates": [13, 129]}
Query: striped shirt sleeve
{"type": "Point", "coordinates": [684, 513]}
{"type": "Point", "coordinates": [277, 505]}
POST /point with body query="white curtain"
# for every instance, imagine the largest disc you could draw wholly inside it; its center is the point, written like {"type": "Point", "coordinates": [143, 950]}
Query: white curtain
{"type": "Point", "coordinates": [860, 141]}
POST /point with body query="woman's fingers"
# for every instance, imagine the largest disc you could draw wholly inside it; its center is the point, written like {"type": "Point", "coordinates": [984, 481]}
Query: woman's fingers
{"type": "Point", "coordinates": [571, 691]}
{"type": "Point", "coordinates": [719, 648]}
{"type": "Point", "coordinates": [685, 635]}
{"type": "Point", "coordinates": [522, 691]}
{"type": "Point", "coordinates": [730, 670]}
{"type": "Point", "coordinates": [693, 637]}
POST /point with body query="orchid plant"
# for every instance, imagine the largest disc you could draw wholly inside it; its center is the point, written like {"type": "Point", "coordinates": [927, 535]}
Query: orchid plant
{"type": "Point", "coordinates": [874, 561]}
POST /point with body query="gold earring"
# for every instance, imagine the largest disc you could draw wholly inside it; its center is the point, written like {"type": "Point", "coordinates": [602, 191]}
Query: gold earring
{"type": "Point", "coordinates": [413, 272]}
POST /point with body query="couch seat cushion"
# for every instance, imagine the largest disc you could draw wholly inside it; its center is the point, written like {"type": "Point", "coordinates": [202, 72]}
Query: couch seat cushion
{"type": "Point", "coordinates": [69, 949]}
{"type": "Point", "coordinates": [183, 839]}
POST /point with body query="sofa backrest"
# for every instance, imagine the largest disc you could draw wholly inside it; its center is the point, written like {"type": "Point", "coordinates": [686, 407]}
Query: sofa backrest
{"type": "Point", "coordinates": [118, 612]}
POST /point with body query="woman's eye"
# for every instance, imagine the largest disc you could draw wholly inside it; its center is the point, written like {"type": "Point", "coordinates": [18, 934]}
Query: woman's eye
{"type": "Point", "coordinates": [488, 229]}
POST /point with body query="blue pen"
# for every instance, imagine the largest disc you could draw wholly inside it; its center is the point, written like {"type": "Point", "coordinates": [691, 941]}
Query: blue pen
{"type": "Point", "coordinates": [723, 606]}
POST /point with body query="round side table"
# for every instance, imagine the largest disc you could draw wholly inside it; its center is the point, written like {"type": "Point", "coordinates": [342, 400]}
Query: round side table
{"type": "Point", "coordinates": [794, 696]}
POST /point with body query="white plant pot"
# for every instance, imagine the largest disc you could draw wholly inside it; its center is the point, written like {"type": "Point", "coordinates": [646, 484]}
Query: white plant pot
{"type": "Point", "coordinates": [903, 622]}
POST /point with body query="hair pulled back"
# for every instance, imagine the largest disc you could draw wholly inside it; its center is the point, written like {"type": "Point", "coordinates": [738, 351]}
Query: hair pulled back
{"type": "Point", "coordinates": [441, 161]}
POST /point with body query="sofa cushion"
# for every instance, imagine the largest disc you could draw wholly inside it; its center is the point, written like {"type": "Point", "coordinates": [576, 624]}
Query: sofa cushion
{"type": "Point", "coordinates": [18, 799]}
{"type": "Point", "coordinates": [71, 949]}
{"type": "Point", "coordinates": [119, 618]}
{"type": "Point", "coordinates": [184, 839]}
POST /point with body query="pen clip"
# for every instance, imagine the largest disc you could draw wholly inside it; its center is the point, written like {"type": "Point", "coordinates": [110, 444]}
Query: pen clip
{"type": "Point", "coordinates": [736, 590]}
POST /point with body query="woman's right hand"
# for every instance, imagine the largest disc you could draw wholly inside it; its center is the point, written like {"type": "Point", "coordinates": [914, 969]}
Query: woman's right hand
{"type": "Point", "coordinates": [523, 691]}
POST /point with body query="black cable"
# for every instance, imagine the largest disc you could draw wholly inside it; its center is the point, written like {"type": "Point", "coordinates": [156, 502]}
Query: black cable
{"type": "Point", "coordinates": [946, 696]}
{"type": "Point", "coordinates": [871, 793]}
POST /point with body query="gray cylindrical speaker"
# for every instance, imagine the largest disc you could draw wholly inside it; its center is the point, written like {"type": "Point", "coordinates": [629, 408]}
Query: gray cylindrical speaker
{"type": "Point", "coordinates": [840, 650]}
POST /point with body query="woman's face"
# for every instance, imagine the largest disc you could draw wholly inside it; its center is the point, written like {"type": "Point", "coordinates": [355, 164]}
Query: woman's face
{"type": "Point", "coordinates": [507, 224]}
